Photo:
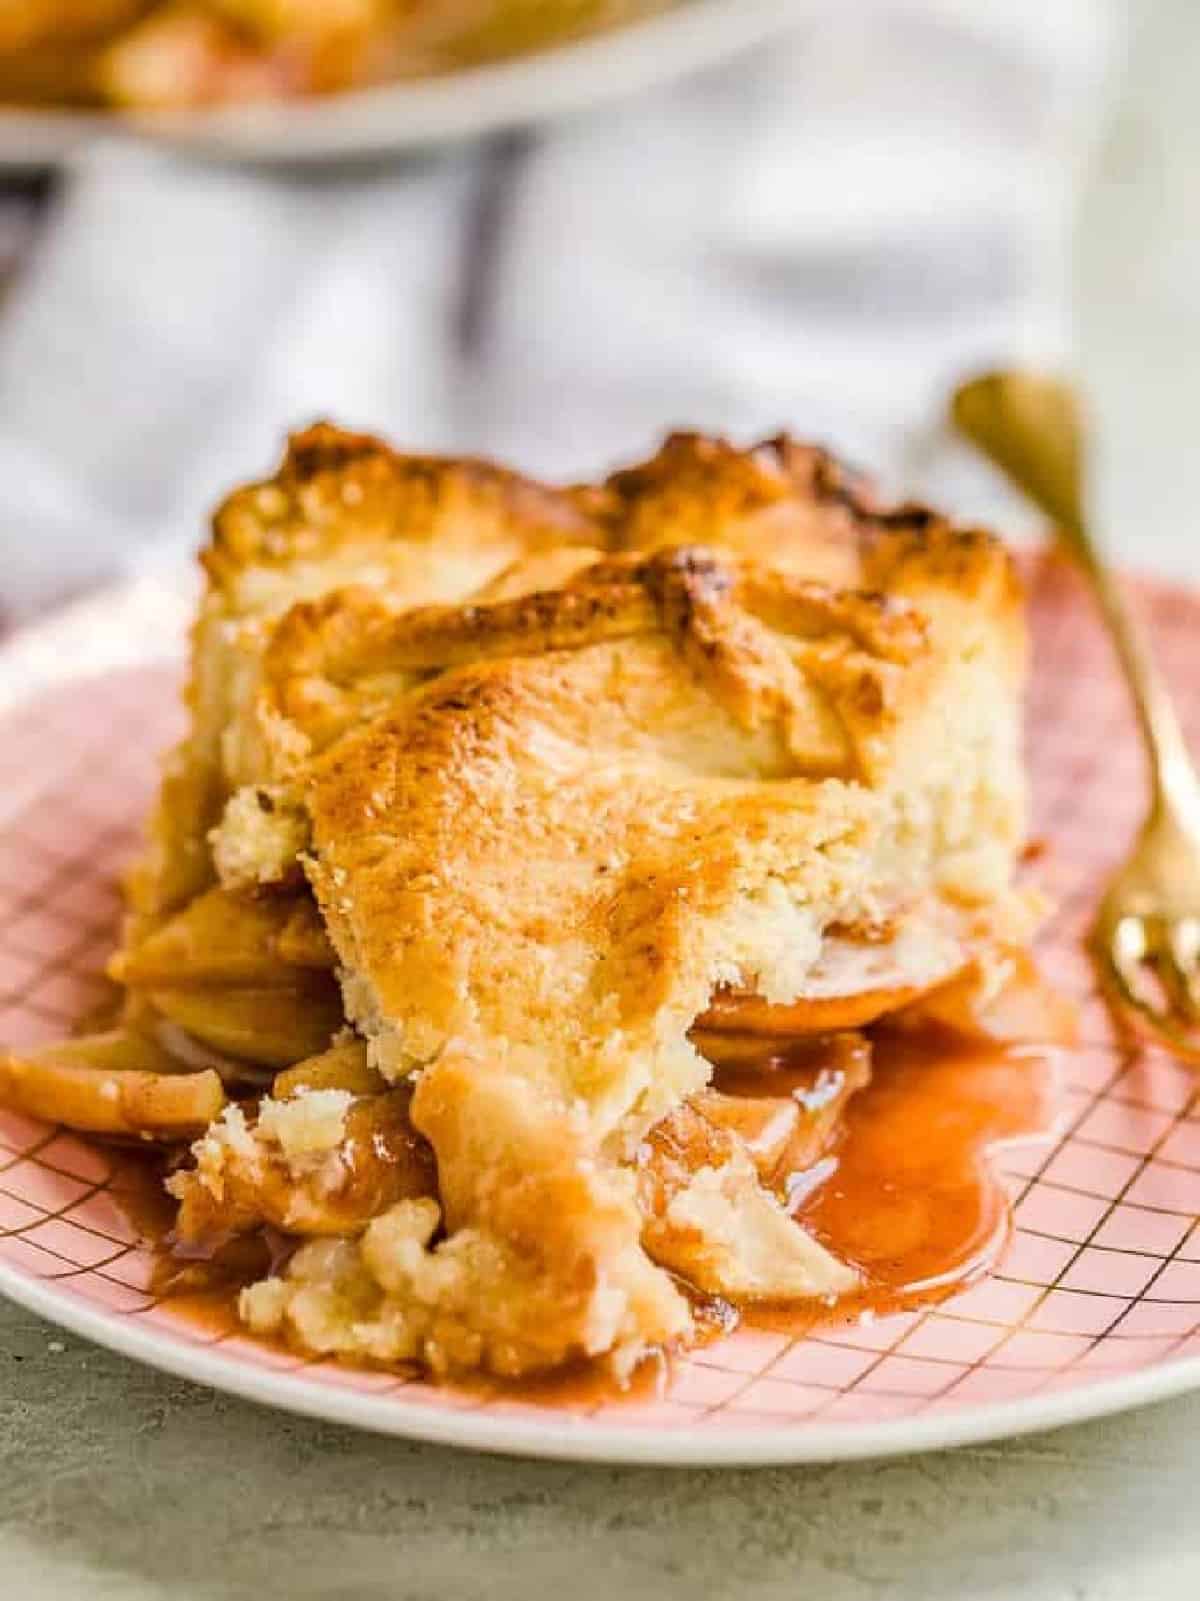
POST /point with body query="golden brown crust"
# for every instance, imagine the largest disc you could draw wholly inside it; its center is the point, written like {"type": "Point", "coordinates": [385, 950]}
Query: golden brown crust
{"type": "Point", "coordinates": [335, 489]}
{"type": "Point", "coordinates": [344, 509]}
{"type": "Point", "coordinates": [590, 722]}
{"type": "Point", "coordinates": [335, 662]}
{"type": "Point", "coordinates": [790, 504]}
{"type": "Point", "coordinates": [341, 509]}
{"type": "Point", "coordinates": [572, 816]}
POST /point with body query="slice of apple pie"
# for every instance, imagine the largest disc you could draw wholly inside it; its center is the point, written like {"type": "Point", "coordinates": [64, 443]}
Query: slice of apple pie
{"type": "Point", "coordinates": [516, 828]}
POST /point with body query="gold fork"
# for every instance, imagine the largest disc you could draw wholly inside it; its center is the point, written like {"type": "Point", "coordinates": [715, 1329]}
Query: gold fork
{"type": "Point", "coordinates": [1148, 925]}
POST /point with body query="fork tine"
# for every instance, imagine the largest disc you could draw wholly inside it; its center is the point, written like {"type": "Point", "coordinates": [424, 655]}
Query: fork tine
{"type": "Point", "coordinates": [1184, 940]}
{"type": "Point", "coordinates": [1181, 965]}
{"type": "Point", "coordinates": [1120, 973]}
{"type": "Point", "coordinates": [1176, 984]}
{"type": "Point", "coordinates": [1125, 951]}
{"type": "Point", "coordinates": [1121, 961]}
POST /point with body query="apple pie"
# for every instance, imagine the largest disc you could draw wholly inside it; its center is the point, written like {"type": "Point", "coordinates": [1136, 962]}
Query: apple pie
{"type": "Point", "coordinates": [537, 872]}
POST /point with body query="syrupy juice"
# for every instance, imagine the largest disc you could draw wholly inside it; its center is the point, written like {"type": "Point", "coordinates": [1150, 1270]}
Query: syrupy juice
{"type": "Point", "coordinates": [905, 1189]}
{"type": "Point", "coordinates": [910, 1194]}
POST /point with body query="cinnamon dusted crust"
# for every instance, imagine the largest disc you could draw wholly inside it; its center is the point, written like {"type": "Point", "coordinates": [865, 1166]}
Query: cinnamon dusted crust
{"type": "Point", "coordinates": [568, 772]}
{"type": "Point", "coordinates": [834, 671]}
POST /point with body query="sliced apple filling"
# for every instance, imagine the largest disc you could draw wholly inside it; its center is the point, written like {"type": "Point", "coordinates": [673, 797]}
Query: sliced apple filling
{"type": "Point", "coordinates": [118, 1083]}
{"type": "Point", "coordinates": [323, 1162]}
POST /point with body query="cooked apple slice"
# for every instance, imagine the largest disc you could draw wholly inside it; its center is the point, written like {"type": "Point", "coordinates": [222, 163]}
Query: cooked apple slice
{"type": "Point", "coordinates": [342, 1067]}
{"type": "Point", "coordinates": [303, 941]}
{"type": "Point", "coordinates": [708, 1217]}
{"type": "Point", "coordinates": [272, 1027]}
{"type": "Point", "coordinates": [323, 1162]}
{"type": "Point", "coordinates": [815, 1078]}
{"type": "Point", "coordinates": [766, 1125]}
{"type": "Point", "coordinates": [751, 1017]}
{"type": "Point", "coordinates": [228, 939]}
{"type": "Point", "coordinates": [854, 982]}
{"type": "Point", "coordinates": [114, 1083]}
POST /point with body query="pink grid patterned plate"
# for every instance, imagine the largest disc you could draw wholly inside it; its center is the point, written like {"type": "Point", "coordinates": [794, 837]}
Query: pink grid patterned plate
{"type": "Point", "coordinates": [1095, 1307]}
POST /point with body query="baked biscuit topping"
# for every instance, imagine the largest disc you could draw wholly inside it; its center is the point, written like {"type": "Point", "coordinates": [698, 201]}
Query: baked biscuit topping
{"type": "Point", "coordinates": [505, 813]}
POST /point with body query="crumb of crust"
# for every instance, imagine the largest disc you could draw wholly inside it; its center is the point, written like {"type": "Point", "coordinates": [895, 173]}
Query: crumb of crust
{"type": "Point", "coordinates": [227, 1141]}
{"type": "Point", "coordinates": [471, 1302]}
{"type": "Point", "coordinates": [303, 1130]}
{"type": "Point", "coordinates": [310, 1124]}
{"type": "Point", "coordinates": [259, 839]}
{"type": "Point", "coordinates": [727, 1235]}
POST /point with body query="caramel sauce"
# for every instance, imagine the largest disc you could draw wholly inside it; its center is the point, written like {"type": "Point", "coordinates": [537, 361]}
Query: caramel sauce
{"type": "Point", "coordinates": [902, 1186]}
{"type": "Point", "coordinates": [909, 1194]}
{"type": "Point", "coordinates": [136, 1185]}
{"type": "Point", "coordinates": [199, 1285]}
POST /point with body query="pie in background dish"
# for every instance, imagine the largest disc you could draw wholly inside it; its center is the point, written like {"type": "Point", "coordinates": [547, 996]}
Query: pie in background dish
{"type": "Point", "coordinates": [522, 903]}
{"type": "Point", "coordinates": [177, 54]}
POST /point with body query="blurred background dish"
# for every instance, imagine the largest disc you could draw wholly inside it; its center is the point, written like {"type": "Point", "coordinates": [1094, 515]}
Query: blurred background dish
{"type": "Point", "coordinates": [177, 55]}
{"type": "Point", "coordinates": [298, 81]}
{"type": "Point", "coordinates": [824, 233]}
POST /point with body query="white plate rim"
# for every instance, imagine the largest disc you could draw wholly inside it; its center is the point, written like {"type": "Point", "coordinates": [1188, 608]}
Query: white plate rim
{"type": "Point", "coordinates": [29, 661]}
{"type": "Point", "coordinates": [562, 1437]}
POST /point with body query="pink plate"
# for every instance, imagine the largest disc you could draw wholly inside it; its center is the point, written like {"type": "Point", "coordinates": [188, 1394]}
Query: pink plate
{"type": "Point", "coordinates": [1096, 1305]}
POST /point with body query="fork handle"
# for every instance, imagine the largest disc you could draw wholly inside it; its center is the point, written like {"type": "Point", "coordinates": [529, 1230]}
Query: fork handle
{"type": "Point", "coordinates": [1029, 426]}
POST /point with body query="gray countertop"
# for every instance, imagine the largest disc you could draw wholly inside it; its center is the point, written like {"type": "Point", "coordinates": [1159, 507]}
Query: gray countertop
{"type": "Point", "coordinates": [120, 1484]}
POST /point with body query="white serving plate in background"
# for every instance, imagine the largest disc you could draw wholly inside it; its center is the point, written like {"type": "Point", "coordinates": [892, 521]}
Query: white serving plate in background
{"type": "Point", "coordinates": [367, 123]}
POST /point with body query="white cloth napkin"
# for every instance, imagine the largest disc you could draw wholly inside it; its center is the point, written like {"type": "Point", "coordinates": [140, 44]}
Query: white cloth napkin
{"type": "Point", "coordinates": [821, 238]}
